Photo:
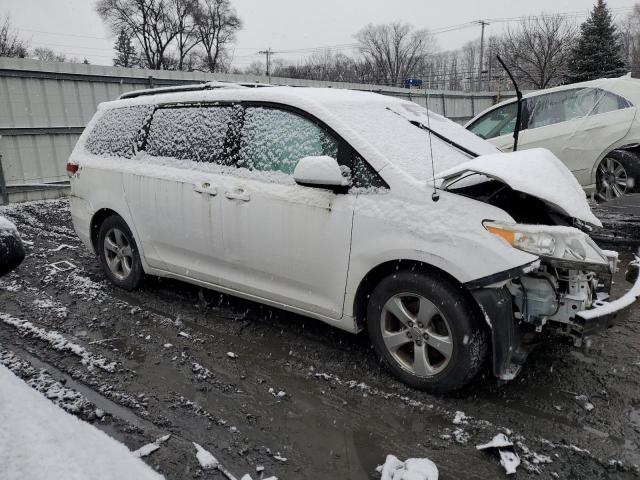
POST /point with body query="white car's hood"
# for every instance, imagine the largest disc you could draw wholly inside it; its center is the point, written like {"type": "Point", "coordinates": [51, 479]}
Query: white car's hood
{"type": "Point", "coordinates": [536, 172]}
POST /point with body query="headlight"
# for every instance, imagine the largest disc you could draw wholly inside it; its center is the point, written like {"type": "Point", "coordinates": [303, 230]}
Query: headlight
{"type": "Point", "coordinates": [566, 243]}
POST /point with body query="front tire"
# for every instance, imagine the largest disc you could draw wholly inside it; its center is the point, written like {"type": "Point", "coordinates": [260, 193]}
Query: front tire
{"type": "Point", "coordinates": [119, 254]}
{"type": "Point", "coordinates": [426, 331]}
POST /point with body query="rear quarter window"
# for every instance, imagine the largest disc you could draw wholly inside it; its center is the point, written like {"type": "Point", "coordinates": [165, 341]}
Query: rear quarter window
{"type": "Point", "coordinates": [114, 134]}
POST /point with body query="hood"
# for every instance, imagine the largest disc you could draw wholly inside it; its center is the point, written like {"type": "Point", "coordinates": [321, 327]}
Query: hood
{"type": "Point", "coordinates": [536, 172]}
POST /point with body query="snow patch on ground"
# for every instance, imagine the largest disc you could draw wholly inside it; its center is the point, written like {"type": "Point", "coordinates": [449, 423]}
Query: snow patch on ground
{"type": "Point", "coordinates": [58, 342]}
{"type": "Point", "coordinates": [38, 440]}
{"type": "Point", "coordinates": [66, 398]}
{"type": "Point", "coordinates": [47, 304]}
{"type": "Point", "coordinates": [411, 469]}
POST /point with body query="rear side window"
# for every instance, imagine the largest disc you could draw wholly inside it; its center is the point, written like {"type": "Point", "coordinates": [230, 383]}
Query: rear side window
{"type": "Point", "coordinates": [500, 121]}
{"type": "Point", "coordinates": [190, 133]}
{"type": "Point", "coordinates": [275, 140]}
{"type": "Point", "coordinates": [114, 133]}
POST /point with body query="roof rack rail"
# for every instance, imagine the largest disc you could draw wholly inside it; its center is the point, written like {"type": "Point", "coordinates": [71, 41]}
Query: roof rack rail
{"type": "Point", "coordinates": [190, 88]}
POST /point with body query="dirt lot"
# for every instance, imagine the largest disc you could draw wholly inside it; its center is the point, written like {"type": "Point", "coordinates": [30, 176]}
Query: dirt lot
{"type": "Point", "coordinates": [340, 413]}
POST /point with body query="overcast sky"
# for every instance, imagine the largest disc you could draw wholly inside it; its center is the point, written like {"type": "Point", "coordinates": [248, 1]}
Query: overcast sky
{"type": "Point", "coordinates": [73, 27]}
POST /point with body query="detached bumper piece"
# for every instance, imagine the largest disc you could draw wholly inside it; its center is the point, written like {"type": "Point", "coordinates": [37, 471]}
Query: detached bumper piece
{"type": "Point", "coordinates": [608, 313]}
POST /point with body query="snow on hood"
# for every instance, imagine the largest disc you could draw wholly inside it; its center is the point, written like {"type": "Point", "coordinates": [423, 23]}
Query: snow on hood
{"type": "Point", "coordinates": [536, 172]}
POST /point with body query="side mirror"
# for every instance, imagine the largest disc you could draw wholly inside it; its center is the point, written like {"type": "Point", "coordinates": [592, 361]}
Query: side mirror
{"type": "Point", "coordinates": [11, 248]}
{"type": "Point", "coordinates": [321, 172]}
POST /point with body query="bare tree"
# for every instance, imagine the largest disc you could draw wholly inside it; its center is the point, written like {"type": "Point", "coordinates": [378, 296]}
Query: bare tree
{"type": "Point", "coordinates": [11, 45]}
{"type": "Point", "coordinates": [152, 24]}
{"type": "Point", "coordinates": [394, 51]}
{"type": "Point", "coordinates": [216, 23]}
{"type": "Point", "coordinates": [46, 54]}
{"type": "Point", "coordinates": [186, 29]}
{"type": "Point", "coordinates": [629, 30]}
{"type": "Point", "coordinates": [539, 49]}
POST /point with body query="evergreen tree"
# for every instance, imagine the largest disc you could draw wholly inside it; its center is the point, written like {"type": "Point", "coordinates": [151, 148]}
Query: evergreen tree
{"type": "Point", "coordinates": [597, 53]}
{"type": "Point", "coordinates": [125, 51]}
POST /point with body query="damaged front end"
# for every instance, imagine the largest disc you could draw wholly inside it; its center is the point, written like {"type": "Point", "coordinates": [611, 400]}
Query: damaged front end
{"type": "Point", "coordinates": [566, 292]}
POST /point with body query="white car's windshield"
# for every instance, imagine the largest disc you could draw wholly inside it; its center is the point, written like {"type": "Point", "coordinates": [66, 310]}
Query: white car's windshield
{"type": "Point", "coordinates": [386, 126]}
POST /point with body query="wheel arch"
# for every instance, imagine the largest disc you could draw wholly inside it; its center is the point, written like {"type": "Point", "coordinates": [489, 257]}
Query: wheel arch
{"type": "Point", "coordinates": [373, 277]}
{"type": "Point", "coordinates": [96, 222]}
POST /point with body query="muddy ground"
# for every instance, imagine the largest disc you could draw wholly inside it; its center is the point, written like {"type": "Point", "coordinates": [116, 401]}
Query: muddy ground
{"type": "Point", "coordinates": [340, 413]}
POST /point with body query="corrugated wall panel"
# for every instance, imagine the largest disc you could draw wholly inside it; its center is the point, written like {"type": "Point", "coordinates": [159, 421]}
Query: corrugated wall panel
{"type": "Point", "coordinates": [45, 95]}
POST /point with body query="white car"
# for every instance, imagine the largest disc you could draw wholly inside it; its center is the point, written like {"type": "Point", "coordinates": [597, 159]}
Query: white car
{"type": "Point", "coordinates": [593, 127]}
{"type": "Point", "coordinates": [322, 202]}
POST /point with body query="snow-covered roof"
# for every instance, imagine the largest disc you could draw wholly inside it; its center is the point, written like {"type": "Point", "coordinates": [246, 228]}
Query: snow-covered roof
{"type": "Point", "coordinates": [377, 126]}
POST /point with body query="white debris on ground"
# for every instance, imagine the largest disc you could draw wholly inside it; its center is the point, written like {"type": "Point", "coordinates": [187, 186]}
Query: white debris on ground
{"type": "Point", "coordinates": [584, 402]}
{"type": "Point", "coordinates": [149, 448]}
{"type": "Point", "coordinates": [509, 459]}
{"type": "Point", "coordinates": [38, 440]}
{"type": "Point", "coordinates": [411, 469]}
{"type": "Point", "coordinates": [231, 355]}
{"type": "Point", "coordinates": [205, 458]}
{"type": "Point", "coordinates": [58, 342]}
{"type": "Point", "coordinates": [460, 418]}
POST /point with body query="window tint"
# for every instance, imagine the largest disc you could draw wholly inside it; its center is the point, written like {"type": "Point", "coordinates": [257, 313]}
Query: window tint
{"type": "Point", "coordinates": [500, 121]}
{"type": "Point", "coordinates": [115, 131]}
{"type": "Point", "coordinates": [190, 133]}
{"type": "Point", "coordinates": [363, 175]}
{"type": "Point", "coordinates": [275, 140]}
{"type": "Point", "coordinates": [568, 105]}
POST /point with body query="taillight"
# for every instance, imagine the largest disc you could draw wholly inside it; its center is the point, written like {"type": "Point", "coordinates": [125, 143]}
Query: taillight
{"type": "Point", "coordinates": [72, 168]}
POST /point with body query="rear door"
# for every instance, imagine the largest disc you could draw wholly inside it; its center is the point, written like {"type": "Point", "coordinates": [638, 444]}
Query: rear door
{"type": "Point", "coordinates": [174, 190]}
{"type": "Point", "coordinates": [285, 242]}
{"type": "Point", "coordinates": [577, 125]}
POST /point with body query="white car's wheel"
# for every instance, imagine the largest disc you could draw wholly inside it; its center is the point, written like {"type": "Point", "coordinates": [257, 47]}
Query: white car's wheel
{"type": "Point", "coordinates": [612, 178]}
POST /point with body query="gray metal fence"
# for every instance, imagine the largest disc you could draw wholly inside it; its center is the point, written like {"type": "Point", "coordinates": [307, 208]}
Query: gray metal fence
{"type": "Point", "coordinates": [44, 107]}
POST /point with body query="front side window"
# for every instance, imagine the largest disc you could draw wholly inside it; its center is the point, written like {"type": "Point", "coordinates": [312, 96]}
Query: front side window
{"type": "Point", "coordinates": [275, 140]}
{"type": "Point", "coordinates": [500, 121]}
{"type": "Point", "coordinates": [190, 133]}
{"type": "Point", "coordinates": [114, 133]}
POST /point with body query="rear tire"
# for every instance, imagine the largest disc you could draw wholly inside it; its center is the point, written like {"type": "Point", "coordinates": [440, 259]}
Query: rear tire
{"type": "Point", "coordinates": [119, 254]}
{"type": "Point", "coordinates": [617, 175]}
{"type": "Point", "coordinates": [426, 330]}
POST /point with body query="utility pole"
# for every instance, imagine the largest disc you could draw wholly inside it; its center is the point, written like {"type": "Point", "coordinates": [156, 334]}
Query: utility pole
{"type": "Point", "coordinates": [482, 24]}
{"type": "Point", "coordinates": [268, 53]}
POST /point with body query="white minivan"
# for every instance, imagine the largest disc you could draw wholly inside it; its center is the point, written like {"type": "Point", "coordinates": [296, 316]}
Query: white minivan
{"type": "Point", "coordinates": [360, 210]}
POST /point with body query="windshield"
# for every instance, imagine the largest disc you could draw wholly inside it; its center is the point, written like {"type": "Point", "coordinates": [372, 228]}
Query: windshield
{"type": "Point", "coordinates": [385, 124]}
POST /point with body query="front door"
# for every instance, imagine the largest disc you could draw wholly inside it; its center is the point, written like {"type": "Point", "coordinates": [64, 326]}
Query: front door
{"type": "Point", "coordinates": [282, 241]}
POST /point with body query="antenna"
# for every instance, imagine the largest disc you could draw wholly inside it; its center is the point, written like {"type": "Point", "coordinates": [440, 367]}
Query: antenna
{"type": "Point", "coordinates": [516, 131]}
{"type": "Point", "coordinates": [434, 196]}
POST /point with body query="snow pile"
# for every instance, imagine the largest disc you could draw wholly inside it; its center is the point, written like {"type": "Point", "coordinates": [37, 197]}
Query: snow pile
{"type": "Point", "coordinates": [411, 469]}
{"type": "Point", "coordinates": [58, 342]}
{"type": "Point", "coordinates": [39, 441]}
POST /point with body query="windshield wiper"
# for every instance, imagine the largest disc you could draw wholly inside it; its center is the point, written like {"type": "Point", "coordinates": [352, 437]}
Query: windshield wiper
{"type": "Point", "coordinates": [422, 126]}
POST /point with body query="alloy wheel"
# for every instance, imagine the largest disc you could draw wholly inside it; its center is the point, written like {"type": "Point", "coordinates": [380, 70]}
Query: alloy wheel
{"type": "Point", "coordinates": [613, 180]}
{"type": "Point", "coordinates": [118, 253]}
{"type": "Point", "coordinates": [416, 334]}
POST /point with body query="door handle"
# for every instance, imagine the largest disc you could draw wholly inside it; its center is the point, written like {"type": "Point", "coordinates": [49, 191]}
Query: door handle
{"type": "Point", "coordinates": [237, 194]}
{"type": "Point", "coordinates": [206, 187]}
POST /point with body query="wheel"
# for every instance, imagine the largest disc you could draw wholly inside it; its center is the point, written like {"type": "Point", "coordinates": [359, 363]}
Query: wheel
{"type": "Point", "coordinates": [119, 254]}
{"type": "Point", "coordinates": [426, 331]}
{"type": "Point", "coordinates": [614, 177]}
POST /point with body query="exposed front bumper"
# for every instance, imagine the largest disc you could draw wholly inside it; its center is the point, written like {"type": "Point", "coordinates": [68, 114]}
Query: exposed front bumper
{"type": "Point", "coordinates": [607, 313]}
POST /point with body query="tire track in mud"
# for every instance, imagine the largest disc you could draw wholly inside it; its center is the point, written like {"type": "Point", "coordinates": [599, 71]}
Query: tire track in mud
{"type": "Point", "coordinates": [362, 419]}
